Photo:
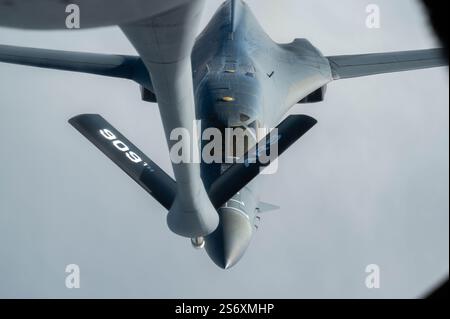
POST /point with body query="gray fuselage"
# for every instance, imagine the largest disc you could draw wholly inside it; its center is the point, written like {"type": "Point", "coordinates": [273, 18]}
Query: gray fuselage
{"type": "Point", "coordinates": [244, 79]}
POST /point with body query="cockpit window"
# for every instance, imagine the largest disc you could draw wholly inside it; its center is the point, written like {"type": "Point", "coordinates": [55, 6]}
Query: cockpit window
{"type": "Point", "coordinates": [239, 140]}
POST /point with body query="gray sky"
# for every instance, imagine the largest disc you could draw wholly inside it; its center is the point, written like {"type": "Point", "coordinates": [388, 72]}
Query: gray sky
{"type": "Point", "coordinates": [369, 184]}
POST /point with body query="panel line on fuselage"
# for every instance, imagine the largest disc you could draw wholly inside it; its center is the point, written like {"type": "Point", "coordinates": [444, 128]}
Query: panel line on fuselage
{"type": "Point", "coordinates": [237, 210]}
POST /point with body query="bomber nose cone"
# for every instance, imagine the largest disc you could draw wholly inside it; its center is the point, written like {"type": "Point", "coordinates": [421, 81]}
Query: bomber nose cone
{"type": "Point", "coordinates": [227, 244]}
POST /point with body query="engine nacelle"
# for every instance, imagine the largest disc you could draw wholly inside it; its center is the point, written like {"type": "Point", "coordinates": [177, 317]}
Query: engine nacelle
{"type": "Point", "coordinates": [316, 96]}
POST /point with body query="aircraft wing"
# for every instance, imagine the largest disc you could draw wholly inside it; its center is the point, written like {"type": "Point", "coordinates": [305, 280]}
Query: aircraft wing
{"type": "Point", "coordinates": [120, 66]}
{"type": "Point", "coordinates": [351, 66]}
